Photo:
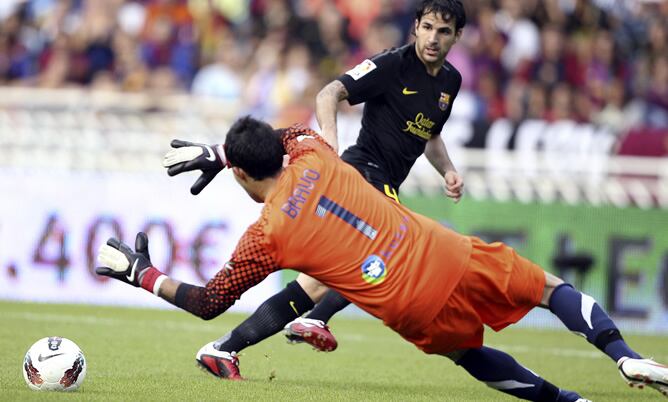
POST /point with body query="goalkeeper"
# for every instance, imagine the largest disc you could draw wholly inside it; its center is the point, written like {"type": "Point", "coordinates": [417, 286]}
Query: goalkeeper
{"type": "Point", "coordinates": [433, 286]}
{"type": "Point", "coordinates": [408, 94]}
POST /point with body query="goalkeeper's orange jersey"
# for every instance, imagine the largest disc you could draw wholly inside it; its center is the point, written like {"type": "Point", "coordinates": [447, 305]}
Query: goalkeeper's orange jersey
{"type": "Point", "coordinates": [325, 220]}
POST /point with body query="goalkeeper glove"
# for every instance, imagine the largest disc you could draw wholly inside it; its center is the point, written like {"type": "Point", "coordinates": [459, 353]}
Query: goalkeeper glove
{"type": "Point", "coordinates": [133, 267]}
{"type": "Point", "coordinates": [188, 156]}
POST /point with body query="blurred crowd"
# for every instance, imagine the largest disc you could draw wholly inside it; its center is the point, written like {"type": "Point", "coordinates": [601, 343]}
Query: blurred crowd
{"type": "Point", "coordinates": [598, 61]}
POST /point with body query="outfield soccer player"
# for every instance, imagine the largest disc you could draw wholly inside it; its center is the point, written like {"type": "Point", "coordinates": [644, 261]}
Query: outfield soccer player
{"type": "Point", "coordinates": [408, 94]}
{"type": "Point", "coordinates": [433, 286]}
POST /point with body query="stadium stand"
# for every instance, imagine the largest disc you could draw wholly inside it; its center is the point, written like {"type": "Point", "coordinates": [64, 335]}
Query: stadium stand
{"type": "Point", "coordinates": [550, 87]}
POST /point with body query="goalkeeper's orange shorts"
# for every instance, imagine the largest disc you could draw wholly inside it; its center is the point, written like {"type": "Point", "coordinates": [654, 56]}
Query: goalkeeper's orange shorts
{"type": "Point", "coordinates": [498, 289]}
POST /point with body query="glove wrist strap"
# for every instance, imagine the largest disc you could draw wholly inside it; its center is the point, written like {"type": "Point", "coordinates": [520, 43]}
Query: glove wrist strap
{"type": "Point", "coordinates": [220, 149]}
{"type": "Point", "coordinates": [152, 279]}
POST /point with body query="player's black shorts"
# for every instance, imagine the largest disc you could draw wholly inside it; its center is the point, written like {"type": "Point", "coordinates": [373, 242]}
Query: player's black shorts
{"type": "Point", "coordinates": [375, 175]}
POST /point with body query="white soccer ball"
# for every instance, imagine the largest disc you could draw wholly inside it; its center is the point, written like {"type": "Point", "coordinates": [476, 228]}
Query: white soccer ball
{"type": "Point", "coordinates": [54, 364]}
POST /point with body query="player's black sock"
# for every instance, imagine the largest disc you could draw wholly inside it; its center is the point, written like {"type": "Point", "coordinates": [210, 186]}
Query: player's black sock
{"type": "Point", "coordinates": [268, 319]}
{"type": "Point", "coordinates": [329, 305]}
{"type": "Point", "coordinates": [500, 371]}
{"type": "Point", "coordinates": [581, 314]}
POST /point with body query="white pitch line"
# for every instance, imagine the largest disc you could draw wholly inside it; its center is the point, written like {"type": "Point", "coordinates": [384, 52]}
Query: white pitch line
{"type": "Point", "coordinates": [73, 319]}
{"type": "Point", "coordinates": [178, 325]}
{"type": "Point", "coordinates": [564, 352]}
{"type": "Point", "coordinates": [76, 319]}
{"type": "Point", "coordinates": [590, 353]}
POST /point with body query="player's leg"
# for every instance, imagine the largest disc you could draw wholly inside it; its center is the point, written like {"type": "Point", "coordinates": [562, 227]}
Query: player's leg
{"type": "Point", "coordinates": [584, 316]}
{"type": "Point", "coordinates": [330, 304]}
{"type": "Point", "coordinates": [271, 316]}
{"type": "Point", "coordinates": [500, 371]}
{"type": "Point", "coordinates": [497, 289]}
{"type": "Point", "coordinates": [314, 331]}
{"type": "Point", "coordinates": [219, 357]}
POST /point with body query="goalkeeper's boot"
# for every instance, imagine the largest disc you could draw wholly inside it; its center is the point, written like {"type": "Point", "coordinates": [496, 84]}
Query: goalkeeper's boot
{"type": "Point", "coordinates": [641, 372]}
{"type": "Point", "coordinates": [314, 332]}
{"type": "Point", "coordinates": [219, 363]}
{"type": "Point", "coordinates": [570, 396]}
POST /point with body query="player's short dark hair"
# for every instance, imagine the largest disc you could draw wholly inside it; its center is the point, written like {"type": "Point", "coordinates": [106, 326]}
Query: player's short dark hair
{"type": "Point", "coordinates": [445, 8]}
{"type": "Point", "coordinates": [254, 146]}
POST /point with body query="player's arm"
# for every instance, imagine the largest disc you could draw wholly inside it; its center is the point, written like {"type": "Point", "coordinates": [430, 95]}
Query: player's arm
{"type": "Point", "coordinates": [437, 155]}
{"type": "Point", "coordinates": [248, 267]}
{"type": "Point", "coordinates": [188, 156]}
{"type": "Point", "coordinates": [326, 106]}
{"type": "Point", "coordinates": [359, 84]}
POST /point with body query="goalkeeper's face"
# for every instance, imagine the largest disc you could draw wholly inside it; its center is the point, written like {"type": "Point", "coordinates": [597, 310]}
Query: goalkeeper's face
{"type": "Point", "coordinates": [254, 188]}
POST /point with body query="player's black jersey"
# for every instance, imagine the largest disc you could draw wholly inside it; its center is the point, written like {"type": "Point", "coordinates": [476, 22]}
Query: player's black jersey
{"type": "Point", "coordinates": [405, 107]}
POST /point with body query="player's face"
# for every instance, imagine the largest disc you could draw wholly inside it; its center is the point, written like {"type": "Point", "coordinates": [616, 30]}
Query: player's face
{"type": "Point", "coordinates": [248, 184]}
{"type": "Point", "coordinates": [434, 38]}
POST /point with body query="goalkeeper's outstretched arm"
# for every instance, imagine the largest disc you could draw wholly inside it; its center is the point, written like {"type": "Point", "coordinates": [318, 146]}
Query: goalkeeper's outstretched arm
{"type": "Point", "coordinates": [120, 262]}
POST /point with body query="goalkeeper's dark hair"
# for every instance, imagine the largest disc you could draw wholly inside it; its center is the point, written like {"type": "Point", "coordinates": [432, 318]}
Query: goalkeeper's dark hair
{"type": "Point", "coordinates": [253, 146]}
{"type": "Point", "coordinates": [445, 8]}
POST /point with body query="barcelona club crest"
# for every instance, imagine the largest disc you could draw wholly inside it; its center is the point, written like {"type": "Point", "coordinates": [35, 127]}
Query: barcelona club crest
{"type": "Point", "coordinates": [443, 101]}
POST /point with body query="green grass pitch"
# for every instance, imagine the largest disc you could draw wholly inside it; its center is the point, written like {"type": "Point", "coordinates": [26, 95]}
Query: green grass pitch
{"type": "Point", "coordinates": [148, 355]}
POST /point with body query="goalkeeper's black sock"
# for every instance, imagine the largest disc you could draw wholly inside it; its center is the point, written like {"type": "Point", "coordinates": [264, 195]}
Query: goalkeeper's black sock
{"type": "Point", "coordinates": [268, 319]}
{"type": "Point", "coordinates": [330, 304]}
{"type": "Point", "coordinates": [500, 371]}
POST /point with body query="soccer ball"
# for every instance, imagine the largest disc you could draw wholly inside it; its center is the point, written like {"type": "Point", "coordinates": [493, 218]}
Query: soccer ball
{"type": "Point", "coordinates": [54, 364]}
